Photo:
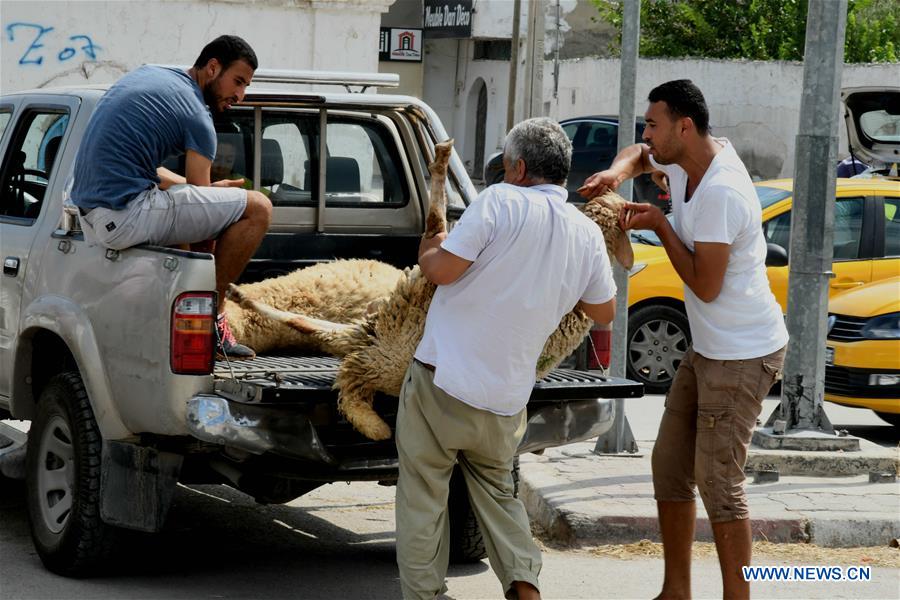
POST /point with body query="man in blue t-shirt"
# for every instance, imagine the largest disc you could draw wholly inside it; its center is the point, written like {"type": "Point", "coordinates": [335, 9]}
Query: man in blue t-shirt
{"type": "Point", "coordinates": [126, 198]}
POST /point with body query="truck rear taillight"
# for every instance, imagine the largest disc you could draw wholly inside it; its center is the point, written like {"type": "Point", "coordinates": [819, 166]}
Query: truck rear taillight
{"type": "Point", "coordinates": [193, 336]}
{"type": "Point", "coordinates": [600, 338]}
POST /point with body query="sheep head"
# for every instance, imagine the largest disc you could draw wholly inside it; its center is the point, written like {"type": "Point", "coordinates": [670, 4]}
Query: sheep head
{"type": "Point", "coordinates": [604, 211]}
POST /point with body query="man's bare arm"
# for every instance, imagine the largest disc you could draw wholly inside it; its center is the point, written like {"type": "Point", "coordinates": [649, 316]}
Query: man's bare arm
{"type": "Point", "coordinates": [168, 178]}
{"type": "Point", "coordinates": [630, 162]}
{"type": "Point", "coordinates": [601, 314]}
{"type": "Point", "coordinates": [439, 266]}
{"type": "Point", "coordinates": [703, 270]}
{"type": "Point", "coordinates": [196, 168]}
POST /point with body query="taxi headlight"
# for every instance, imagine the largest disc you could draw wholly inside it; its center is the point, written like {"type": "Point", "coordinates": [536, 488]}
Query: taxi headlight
{"type": "Point", "coordinates": [636, 268]}
{"type": "Point", "coordinates": [882, 327]}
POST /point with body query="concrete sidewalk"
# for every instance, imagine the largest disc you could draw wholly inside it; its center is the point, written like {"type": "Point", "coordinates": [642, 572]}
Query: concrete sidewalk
{"type": "Point", "coordinates": [580, 498]}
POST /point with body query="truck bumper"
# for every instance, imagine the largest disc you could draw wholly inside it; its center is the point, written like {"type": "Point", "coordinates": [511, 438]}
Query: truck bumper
{"type": "Point", "coordinates": [561, 423]}
{"type": "Point", "coordinates": [255, 429]}
{"type": "Point", "coordinates": [261, 429]}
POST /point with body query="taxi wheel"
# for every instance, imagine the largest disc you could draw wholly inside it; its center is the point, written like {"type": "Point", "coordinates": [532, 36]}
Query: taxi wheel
{"type": "Point", "coordinates": [658, 337]}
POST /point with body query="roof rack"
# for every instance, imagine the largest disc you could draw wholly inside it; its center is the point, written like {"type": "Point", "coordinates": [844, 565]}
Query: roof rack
{"type": "Point", "coordinates": [342, 78]}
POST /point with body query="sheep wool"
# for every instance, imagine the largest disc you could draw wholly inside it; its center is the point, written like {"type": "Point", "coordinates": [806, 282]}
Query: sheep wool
{"type": "Point", "coordinates": [337, 291]}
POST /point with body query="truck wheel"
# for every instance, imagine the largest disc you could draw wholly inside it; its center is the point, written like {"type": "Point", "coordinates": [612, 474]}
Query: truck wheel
{"type": "Point", "coordinates": [466, 541]}
{"type": "Point", "coordinates": [658, 337]}
{"type": "Point", "coordinates": [63, 480]}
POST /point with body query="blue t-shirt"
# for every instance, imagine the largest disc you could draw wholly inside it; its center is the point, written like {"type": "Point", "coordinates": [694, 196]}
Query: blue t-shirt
{"type": "Point", "coordinates": [149, 114]}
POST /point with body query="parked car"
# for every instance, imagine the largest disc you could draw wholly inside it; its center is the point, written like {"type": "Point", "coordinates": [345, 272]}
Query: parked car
{"type": "Point", "coordinates": [866, 248]}
{"type": "Point", "coordinates": [862, 353]}
{"type": "Point", "coordinates": [594, 144]}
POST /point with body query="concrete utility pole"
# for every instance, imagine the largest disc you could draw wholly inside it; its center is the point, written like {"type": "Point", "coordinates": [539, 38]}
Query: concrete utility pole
{"type": "Point", "coordinates": [513, 66]}
{"type": "Point", "coordinates": [801, 412]}
{"type": "Point", "coordinates": [620, 438]}
{"type": "Point", "coordinates": [534, 61]}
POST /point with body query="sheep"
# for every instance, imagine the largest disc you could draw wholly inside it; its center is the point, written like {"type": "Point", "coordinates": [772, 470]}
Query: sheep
{"type": "Point", "coordinates": [377, 349]}
{"type": "Point", "coordinates": [336, 291]}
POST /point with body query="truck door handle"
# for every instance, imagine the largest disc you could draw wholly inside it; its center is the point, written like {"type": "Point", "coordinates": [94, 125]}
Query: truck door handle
{"type": "Point", "coordinates": [11, 266]}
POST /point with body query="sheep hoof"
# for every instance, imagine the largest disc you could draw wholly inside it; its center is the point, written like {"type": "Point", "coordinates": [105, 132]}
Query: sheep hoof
{"type": "Point", "coordinates": [234, 294]}
{"type": "Point", "coordinates": [376, 431]}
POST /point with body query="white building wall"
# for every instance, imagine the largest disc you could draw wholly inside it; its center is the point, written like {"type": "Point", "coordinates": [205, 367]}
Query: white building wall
{"type": "Point", "coordinates": [451, 82]}
{"type": "Point", "coordinates": [756, 104]}
{"type": "Point", "coordinates": [493, 19]}
{"type": "Point", "coordinates": [47, 43]}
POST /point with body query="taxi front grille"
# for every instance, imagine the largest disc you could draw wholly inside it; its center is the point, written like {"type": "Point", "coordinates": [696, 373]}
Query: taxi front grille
{"type": "Point", "coordinates": [854, 383]}
{"type": "Point", "coordinates": [846, 328]}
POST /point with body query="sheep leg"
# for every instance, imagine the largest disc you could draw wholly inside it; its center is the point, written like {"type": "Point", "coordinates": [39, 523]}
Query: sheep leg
{"type": "Point", "coordinates": [296, 321]}
{"type": "Point", "coordinates": [355, 403]}
{"type": "Point", "coordinates": [436, 220]}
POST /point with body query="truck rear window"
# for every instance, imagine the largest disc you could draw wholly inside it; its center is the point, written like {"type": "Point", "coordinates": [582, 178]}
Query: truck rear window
{"type": "Point", "coordinates": [362, 166]}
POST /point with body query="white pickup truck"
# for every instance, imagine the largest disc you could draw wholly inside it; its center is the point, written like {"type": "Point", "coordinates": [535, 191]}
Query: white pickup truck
{"type": "Point", "coordinates": [123, 405]}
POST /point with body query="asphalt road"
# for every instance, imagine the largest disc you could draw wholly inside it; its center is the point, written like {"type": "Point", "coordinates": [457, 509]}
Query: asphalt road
{"type": "Point", "coordinates": [335, 543]}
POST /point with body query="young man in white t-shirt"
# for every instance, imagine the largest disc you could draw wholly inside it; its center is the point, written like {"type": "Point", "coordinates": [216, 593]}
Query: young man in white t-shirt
{"type": "Point", "coordinates": [716, 244]}
{"type": "Point", "coordinates": [519, 259]}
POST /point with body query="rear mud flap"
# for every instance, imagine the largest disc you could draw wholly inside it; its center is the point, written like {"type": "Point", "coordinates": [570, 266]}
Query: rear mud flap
{"type": "Point", "coordinates": [137, 485]}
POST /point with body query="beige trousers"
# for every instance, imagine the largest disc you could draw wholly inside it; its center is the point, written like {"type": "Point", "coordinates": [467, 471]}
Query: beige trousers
{"type": "Point", "coordinates": [434, 432]}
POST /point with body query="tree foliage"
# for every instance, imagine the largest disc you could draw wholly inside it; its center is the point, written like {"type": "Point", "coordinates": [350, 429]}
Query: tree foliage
{"type": "Point", "coordinates": [755, 29]}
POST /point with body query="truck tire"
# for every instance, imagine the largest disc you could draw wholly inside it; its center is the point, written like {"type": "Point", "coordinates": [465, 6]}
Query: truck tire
{"type": "Point", "coordinates": [466, 541]}
{"type": "Point", "coordinates": [658, 337]}
{"type": "Point", "coordinates": [63, 481]}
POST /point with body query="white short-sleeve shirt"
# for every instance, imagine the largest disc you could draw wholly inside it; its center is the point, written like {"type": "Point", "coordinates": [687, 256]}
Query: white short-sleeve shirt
{"type": "Point", "coordinates": [744, 320]}
{"type": "Point", "coordinates": [534, 257]}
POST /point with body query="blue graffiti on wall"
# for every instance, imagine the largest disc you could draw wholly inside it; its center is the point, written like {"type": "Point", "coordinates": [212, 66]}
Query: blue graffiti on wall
{"type": "Point", "coordinates": [36, 51]}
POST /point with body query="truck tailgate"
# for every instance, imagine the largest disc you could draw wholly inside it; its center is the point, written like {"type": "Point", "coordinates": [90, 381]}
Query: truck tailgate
{"type": "Point", "coordinates": [291, 378]}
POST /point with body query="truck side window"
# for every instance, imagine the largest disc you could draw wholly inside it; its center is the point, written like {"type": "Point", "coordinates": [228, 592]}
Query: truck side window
{"type": "Point", "coordinates": [29, 163]}
{"type": "Point", "coordinates": [362, 166]}
{"type": "Point", "coordinates": [5, 115]}
{"type": "Point", "coordinates": [285, 166]}
{"type": "Point", "coordinates": [362, 169]}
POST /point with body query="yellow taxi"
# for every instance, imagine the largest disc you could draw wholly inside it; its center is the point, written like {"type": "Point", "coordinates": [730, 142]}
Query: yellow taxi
{"type": "Point", "coordinates": [862, 353]}
{"type": "Point", "coordinates": [866, 249]}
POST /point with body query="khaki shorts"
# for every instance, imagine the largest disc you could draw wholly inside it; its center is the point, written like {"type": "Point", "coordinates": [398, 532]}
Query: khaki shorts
{"type": "Point", "coordinates": [710, 415]}
{"type": "Point", "coordinates": [182, 214]}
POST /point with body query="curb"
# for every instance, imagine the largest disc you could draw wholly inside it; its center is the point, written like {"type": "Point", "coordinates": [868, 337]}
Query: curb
{"type": "Point", "coordinates": [577, 529]}
{"type": "Point", "coordinates": [822, 463]}
{"type": "Point", "coordinates": [581, 499]}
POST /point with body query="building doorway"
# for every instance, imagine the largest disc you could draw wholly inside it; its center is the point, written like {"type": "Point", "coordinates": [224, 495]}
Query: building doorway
{"type": "Point", "coordinates": [476, 108]}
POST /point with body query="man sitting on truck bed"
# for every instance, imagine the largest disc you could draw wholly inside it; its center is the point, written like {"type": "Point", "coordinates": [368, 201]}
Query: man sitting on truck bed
{"type": "Point", "coordinates": [126, 198]}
